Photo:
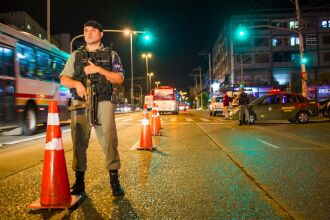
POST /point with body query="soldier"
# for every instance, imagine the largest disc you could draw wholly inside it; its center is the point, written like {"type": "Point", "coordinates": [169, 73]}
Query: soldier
{"type": "Point", "coordinates": [104, 66]}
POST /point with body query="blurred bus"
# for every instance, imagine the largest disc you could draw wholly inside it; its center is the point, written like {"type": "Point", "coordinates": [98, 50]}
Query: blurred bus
{"type": "Point", "coordinates": [29, 80]}
{"type": "Point", "coordinates": [167, 99]}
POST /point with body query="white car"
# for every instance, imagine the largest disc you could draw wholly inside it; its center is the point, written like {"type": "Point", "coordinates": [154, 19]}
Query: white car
{"type": "Point", "coordinates": [216, 105]}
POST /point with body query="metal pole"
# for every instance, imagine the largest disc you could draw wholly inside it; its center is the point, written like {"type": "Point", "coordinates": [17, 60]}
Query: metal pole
{"type": "Point", "coordinates": [242, 76]}
{"type": "Point", "coordinates": [210, 75]}
{"type": "Point", "coordinates": [48, 20]}
{"type": "Point", "coordinates": [197, 103]}
{"type": "Point", "coordinates": [232, 63]}
{"type": "Point", "coordinates": [150, 83]}
{"type": "Point", "coordinates": [304, 74]}
{"type": "Point", "coordinates": [140, 94]}
{"type": "Point", "coordinates": [132, 93]}
{"type": "Point", "coordinates": [200, 86]}
{"type": "Point", "coordinates": [147, 72]}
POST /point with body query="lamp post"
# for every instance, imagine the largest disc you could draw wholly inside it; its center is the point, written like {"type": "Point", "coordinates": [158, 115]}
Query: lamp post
{"type": "Point", "coordinates": [157, 83]}
{"type": "Point", "coordinates": [147, 56]}
{"type": "Point", "coordinates": [127, 32]}
{"type": "Point", "coordinates": [140, 94]}
{"type": "Point", "coordinates": [150, 75]}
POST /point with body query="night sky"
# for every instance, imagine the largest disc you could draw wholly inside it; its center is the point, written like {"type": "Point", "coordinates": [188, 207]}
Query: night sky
{"type": "Point", "coordinates": [180, 29]}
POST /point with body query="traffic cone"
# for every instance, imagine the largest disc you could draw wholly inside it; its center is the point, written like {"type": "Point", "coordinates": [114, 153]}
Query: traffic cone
{"type": "Point", "coordinates": [55, 188]}
{"type": "Point", "coordinates": [158, 118]}
{"type": "Point", "coordinates": [145, 136]}
{"type": "Point", "coordinates": [154, 122]}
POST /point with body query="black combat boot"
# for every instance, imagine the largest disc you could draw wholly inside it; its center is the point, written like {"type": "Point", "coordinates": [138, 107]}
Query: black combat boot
{"type": "Point", "coordinates": [117, 190]}
{"type": "Point", "coordinates": [78, 187]}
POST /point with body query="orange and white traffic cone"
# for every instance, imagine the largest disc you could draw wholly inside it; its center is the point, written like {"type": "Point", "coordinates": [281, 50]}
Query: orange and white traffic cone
{"type": "Point", "coordinates": [145, 136]}
{"type": "Point", "coordinates": [154, 122]}
{"type": "Point", "coordinates": [55, 187]}
{"type": "Point", "coordinates": [158, 118]}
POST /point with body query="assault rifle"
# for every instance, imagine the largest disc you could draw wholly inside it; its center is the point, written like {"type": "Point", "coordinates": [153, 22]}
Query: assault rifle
{"type": "Point", "coordinates": [91, 102]}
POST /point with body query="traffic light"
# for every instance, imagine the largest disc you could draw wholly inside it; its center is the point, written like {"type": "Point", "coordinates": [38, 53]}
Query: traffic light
{"type": "Point", "coordinates": [241, 32]}
{"type": "Point", "coordinates": [147, 38]}
{"type": "Point", "coordinates": [304, 60]}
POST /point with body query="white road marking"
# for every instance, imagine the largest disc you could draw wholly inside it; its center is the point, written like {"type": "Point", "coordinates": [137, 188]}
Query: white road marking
{"type": "Point", "coordinates": [204, 119]}
{"type": "Point", "coordinates": [173, 119]}
{"type": "Point", "coordinates": [128, 119]}
{"type": "Point", "coordinates": [189, 119]}
{"type": "Point", "coordinates": [269, 144]}
{"type": "Point", "coordinates": [136, 145]}
{"type": "Point", "coordinates": [32, 138]}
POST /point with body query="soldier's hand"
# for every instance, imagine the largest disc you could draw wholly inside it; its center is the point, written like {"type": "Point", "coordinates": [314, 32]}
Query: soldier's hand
{"type": "Point", "coordinates": [81, 90]}
{"type": "Point", "coordinates": [91, 68]}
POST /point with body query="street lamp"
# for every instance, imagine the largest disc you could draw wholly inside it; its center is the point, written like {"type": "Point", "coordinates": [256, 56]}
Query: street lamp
{"type": "Point", "coordinates": [150, 75]}
{"type": "Point", "coordinates": [157, 83]}
{"type": "Point", "coordinates": [147, 56]}
{"type": "Point", "coordinates": [140, 94]}
{"type": "Point", "coordinates": [127, 32]}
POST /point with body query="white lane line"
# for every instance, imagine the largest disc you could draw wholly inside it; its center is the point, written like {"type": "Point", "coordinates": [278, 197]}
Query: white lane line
{"type": "Point", "coordinates": [204, 119]}
{"type": "Point", "coordinates": [173, 119]}
{"type": "Point", "coordinates": [269, 144]}
{"type": "Point", "coordinates": [136, 145]}
{"type": "Point", "coordinates": [33, 138]}
{"type": "Point", "coordinates": [127, 119]}
{"type": "Point", "coordinates": [189, 119]}
{"type": "Point", "coordinates": [127, 123]}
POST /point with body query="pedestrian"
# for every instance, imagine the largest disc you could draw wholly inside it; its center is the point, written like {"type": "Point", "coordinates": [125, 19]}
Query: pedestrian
{"type": "Point", "coordinates": [225, 100]}
{"type": "Point", "coordinates": [243, 102]}
{"type": "Point", "coordinates": [106, 71]}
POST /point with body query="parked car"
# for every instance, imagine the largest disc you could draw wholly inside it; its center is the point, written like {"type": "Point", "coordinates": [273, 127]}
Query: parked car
{"type": "Point", "coordinates": [281, 105]}
{"type": "Point", "coordinates": [324, 107]}
{"type": "Point", "coordinates": [216, 105]}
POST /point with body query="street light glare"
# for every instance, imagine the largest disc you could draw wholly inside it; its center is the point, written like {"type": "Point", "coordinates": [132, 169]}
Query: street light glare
{"type": "Point", "coordinates": [127, 31]}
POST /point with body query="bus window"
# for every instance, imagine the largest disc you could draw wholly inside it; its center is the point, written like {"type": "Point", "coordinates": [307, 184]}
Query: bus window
{"type": "Point", "coordinates": [44, 66]}
{"type": "Point", "coordinates": [26, 58]}
{"type": "Point", "coordinates": [6, 62]}
{"type": "Point", "coordinates": [58, 65]}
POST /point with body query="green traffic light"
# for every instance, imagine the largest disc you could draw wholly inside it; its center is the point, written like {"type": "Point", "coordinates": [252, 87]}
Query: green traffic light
{"type": "Point", "coordinates": [147, 37]}
{"type": "Point", "coordinates": [241, 32]}
{"type": "Point", "coordinates": [304, 60]}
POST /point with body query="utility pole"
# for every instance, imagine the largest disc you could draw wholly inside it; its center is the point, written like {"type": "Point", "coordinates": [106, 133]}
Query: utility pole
{"type": "Point", "coordinates": [200, 86]}
{"type": "Point", "coordinates": [48, 20]}
{"type": "Point", "coordinates": [199, 69]}
{"type": "Point", "coordinates": [304, 75]}
{"type": "Point", "coordinates": [208, 56]}
{"type": "Point", "coordinates": [195, 78]}
{"type": "Point", "coordinates": [210, 74]}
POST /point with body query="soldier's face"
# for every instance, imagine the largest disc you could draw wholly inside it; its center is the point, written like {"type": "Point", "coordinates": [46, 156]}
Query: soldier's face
{"type": "Point", "coordinates": [92, 35]}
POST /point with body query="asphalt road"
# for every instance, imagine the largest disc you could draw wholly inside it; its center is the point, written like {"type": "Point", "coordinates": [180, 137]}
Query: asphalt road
{"type": "Point", "coordinates": [203, 168]}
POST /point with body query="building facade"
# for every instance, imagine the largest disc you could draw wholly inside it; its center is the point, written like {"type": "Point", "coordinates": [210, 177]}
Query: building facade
{"type": "Point", "coordinates": [24, 22]}
{"type": "Point", "coordinates": [263, 50]}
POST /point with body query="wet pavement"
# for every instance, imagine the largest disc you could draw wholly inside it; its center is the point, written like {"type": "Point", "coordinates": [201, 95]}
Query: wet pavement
{"type": "Point", "coordinates": [201, 169]}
